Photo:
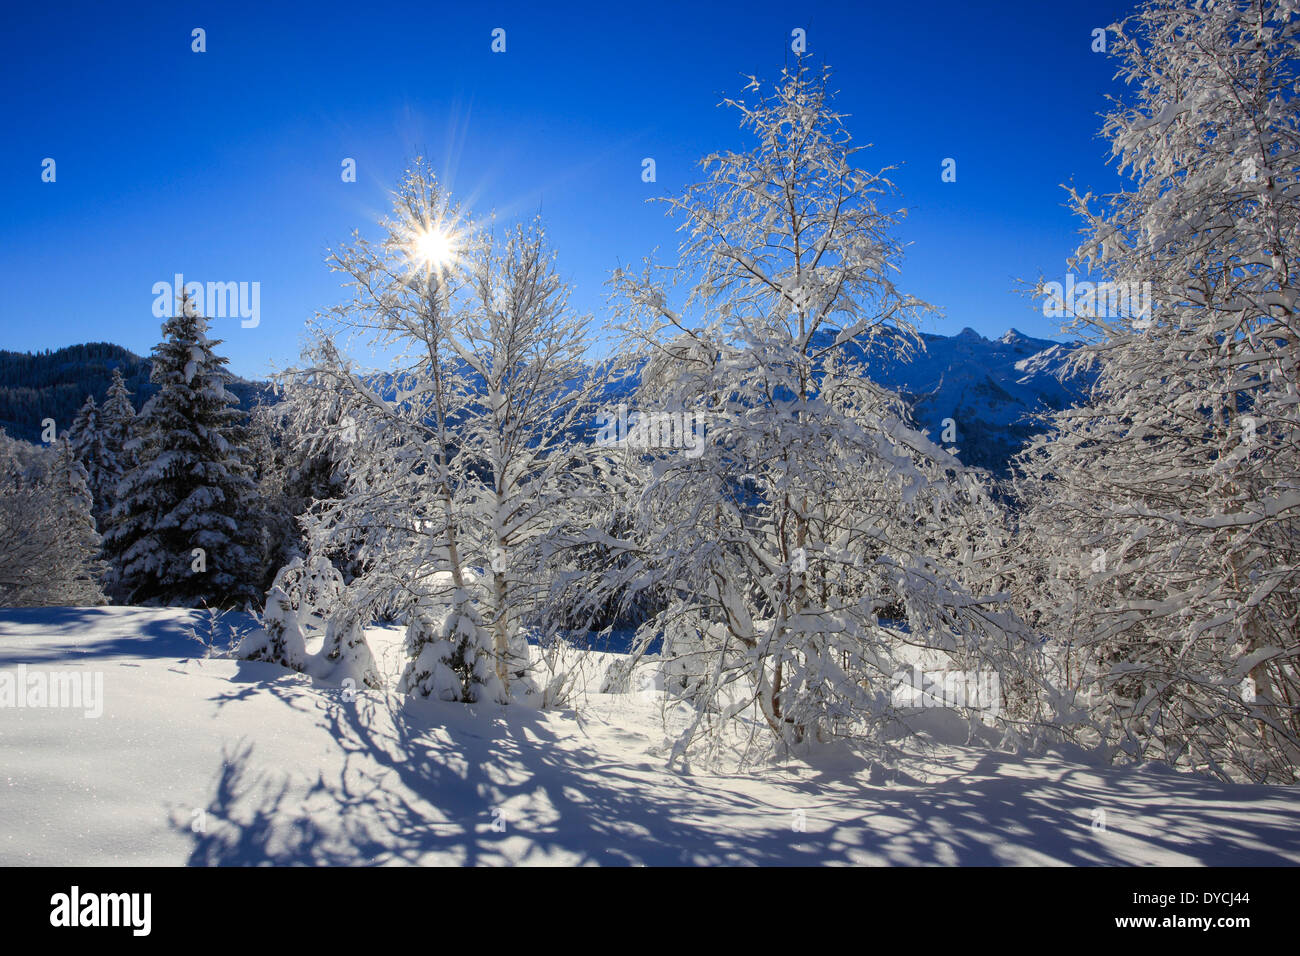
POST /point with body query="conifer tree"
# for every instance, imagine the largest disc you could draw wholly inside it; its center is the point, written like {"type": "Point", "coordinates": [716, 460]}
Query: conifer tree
{"type": "Point", "coordinates": [86, 437]}
{"type": "Point", "coordinates": [117, 422]}
{"type": "Point", "coordinates": [183, 527]}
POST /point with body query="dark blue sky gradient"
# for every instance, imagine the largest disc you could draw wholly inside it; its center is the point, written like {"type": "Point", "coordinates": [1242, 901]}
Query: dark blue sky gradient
{"type": "Point", "coordinates": [225, 165]}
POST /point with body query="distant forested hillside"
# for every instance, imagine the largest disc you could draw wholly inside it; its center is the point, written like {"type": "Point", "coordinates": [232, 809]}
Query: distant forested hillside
{"type": "Point", "coordinates": [54, 384]}
{"type": "Point", "coordinates": [988, 388]}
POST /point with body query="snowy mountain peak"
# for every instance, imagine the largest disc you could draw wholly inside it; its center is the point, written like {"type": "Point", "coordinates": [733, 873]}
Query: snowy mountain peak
{"type": "Point", "coordinates": [990, 388]}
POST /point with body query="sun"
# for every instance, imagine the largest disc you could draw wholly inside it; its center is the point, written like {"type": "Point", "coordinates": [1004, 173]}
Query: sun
{"type": "Point", "coordinates": [433, 248]}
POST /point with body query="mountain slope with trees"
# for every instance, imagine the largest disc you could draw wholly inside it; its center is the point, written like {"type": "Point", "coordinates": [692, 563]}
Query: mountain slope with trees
{"type": "Point", "coordinates": [54, 384]}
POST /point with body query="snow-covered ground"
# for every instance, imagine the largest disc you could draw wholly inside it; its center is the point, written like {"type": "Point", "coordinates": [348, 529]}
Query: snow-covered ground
{"type": "Point", "coordinates": [210, 761]}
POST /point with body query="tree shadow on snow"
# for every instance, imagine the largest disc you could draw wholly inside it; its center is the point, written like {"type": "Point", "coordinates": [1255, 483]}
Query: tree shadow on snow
{"type": "Point", "coordinates": [465, 784]}
{"type": "Point", "coordinates": [426, 782]}
{"type": "Point", "coordinates": [81, 634]}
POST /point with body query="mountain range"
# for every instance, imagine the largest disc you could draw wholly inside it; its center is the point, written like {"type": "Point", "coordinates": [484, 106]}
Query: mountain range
{"type": "Point", "coordinates": [989, 388]}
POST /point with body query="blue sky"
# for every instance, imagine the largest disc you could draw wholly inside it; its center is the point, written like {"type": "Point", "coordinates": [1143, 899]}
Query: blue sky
{"type": "Point", "coordinates": [225, 165]}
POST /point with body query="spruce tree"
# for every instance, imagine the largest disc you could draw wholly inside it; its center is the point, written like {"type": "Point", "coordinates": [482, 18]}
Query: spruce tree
{"type": "Point", "coordinates": [181, 530]}
{"type": "Point", "coordinates": [94, 449]}
{"type": "Point", "coordinates": [86, 438]}
{"type": "Point", "coordinates": [117, 434]}
{"type": "Point", "coordinates": [117, 423]}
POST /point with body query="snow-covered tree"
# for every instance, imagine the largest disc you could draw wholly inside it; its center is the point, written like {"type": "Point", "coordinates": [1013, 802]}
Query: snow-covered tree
{"type": "Point", "coordinates": [1162, 522]}
{"type": "Point", "coordinates": [183, 527]}
{"type": "Point", "coordinates": [531, 392]}
{"type": "Point", "coordinates": [86, 436]}
{"type": "Point", "coordinates": [307, 626]}
{"type": "Point", "coordinates": [393, 431]}
{"type": "Point", "coordinates": [293, 474]}
{"type": "Point", "coordinates": [281, 639]}
{"type": "Point", "coordinates": [101, 439]}
{"type": "Point", "coordinates": [50, 556]}
{"type": "Point", "coordinates": [799, 543]}
{"type": "Point", "coordinates": [459, 457]}
{"type": "Point", "coordinates": [449, 651]}
{"type": "Point", "coordinates": [117, 425]}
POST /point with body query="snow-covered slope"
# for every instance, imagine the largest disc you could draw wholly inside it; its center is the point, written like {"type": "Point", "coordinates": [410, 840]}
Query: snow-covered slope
{"type": "Point", "coordinates": [989, 387]}
{"type": "Point", "coordinates": [212, 761]}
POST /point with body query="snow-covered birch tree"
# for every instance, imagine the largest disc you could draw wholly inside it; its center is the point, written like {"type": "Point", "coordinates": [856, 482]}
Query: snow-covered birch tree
{"type": "Point", "coordinates": [459, 456]}
{"type": "Point", "coordinates": [392, 432]}
{"type": "Point", "coordinates": [532, 394]}
{"type": "Point", "coordinates": [798, 545]}
{"type": "Point", "coordinates": [1164, 515]}
{"type": "Point", "coordinates": [51, 551]}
